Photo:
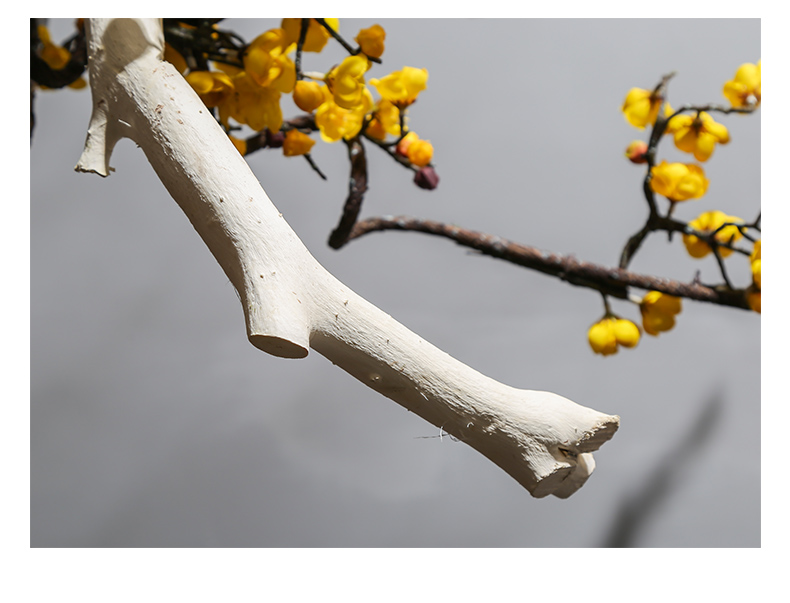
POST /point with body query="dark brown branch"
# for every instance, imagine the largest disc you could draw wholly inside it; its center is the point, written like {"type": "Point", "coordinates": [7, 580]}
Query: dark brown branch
{"type": "Point", "coordinates": [357, 185]}
{"type": "Point", "coordinates": [607, 280]}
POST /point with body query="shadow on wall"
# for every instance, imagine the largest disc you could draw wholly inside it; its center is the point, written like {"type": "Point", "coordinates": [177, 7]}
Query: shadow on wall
{"type": "Point", "coordinates": [641, 507]}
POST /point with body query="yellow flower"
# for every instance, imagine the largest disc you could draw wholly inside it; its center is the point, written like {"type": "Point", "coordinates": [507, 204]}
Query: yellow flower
{"type": "Point", "coordinates": [317, 36]}
{"type": "Point", "coordinates": [386, 120]}
{"type": "Point", "coordinates": [709, 222]}
{"type": "Point", "coordinates": [175, 57]}
{"type": "Point", "coordinates": [266, 62]}
{"type": "Point", "coordinates": [402, 87]}
{"type": "Point", "coordinates": [753, 298]}
{"type": "Point", "coordinates": [658, 311]}
{"type": "Point", "coordinates": [347, 81]}
{"type": "Point", "coordinates": [418, 152]}
{"type": "Point", "coordinates": [609, 332]}
{"type": "Point", "coordinates": [697, 134]}
{"type": "Point", "coordinates": [55, 56]}
{"type": "Point", "coordinates": [679, 181]}
{"type": "Point", "coordinates": [371, 40]}
{"type": "Point", "coordinates": [744, 89]}
{"type": "Point", "coordinates": [755, 259]}
{"type": "Point", "coordinates": [334, 122]}
{"type": "Point", "coordinates": [297, 143]}
{"type": "Point", "coordinates": [375, 130]}
{"type": "Point", "coordinates": [640, 107]}
{"type": "Point", "coordinates": [256, 106]}
{"type": "Point", "coordinates": [308, 95]}
{"type": "Point", "coordinates": [240, 144]}
{"type": "Point", "coordinates": [213, 87]}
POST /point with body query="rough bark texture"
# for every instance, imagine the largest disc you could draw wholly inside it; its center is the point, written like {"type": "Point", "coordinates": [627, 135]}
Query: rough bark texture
{"type": "Point", "coordinates": [290, 302]}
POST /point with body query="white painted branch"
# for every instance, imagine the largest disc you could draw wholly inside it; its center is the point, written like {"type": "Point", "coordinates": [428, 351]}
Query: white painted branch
{"type": "Point", "coordinates": [290, 302]}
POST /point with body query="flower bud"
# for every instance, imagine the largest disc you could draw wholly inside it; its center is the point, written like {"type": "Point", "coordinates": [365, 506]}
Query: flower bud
{"type": "Point", "coordinates": [420, 153]}
{"type": "Point", "coordinates": [308, 96]}
{"type": "Point", "coordinates": [371, 41]}
{"type": "Point", "coordinates": [297, 143]}
{"type": "Point", "coordinates": [403, 144]}
{"type": "Point", "coordinates": [637, 152]}
{"type": "Point", "coordinates": [426, 178]}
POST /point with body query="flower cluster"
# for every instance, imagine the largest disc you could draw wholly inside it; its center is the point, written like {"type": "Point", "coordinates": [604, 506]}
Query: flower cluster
{"type": "Point", "coordinates": [693, 131]}
{"type": "Point", "coordinates": [340, 100]}
{"type": "Point", "coordinates": [611, 332]}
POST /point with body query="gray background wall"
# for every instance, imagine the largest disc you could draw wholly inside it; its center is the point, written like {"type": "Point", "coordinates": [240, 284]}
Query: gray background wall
{"type": "Point", "coordinates": [155, 423]}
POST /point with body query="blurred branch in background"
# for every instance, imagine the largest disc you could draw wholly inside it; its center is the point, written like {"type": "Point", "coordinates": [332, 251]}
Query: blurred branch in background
{"type": "Point", "coordinates": [641, 507]}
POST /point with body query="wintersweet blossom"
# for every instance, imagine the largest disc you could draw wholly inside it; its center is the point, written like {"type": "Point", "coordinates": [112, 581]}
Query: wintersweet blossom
{"type": "Point", "coordinates": [610, 332]}
{"type": "Point", "coordinates": [254, 105]}
{"type": "Point", "coordinates": [267, 63]}
{"type": "Point", "coordinates": [240, 144]}
{"type": "Point", "coordinates": [347, 81]}
{"type": "Point", "coordinates": [755, 258]}
{"type": "Point", "coordinates": [697, 134]}
{"type": "Point", "coordinates": [710, 222]}
{"type": "Point", "coordinates": [402, 87]}
{"type": "Point", "coordinates": [658, 312]}
{"type": "Point", "coordinates": [213, 87]}
{"type": "Point", "coordinates": [744, 89]}
{"type": "Point", "coordinates": [317, 35]}
{"type": "Point", "coordinates": [641, 107]}
{"type": "Point", "coordinates": [55, 56]}
{"type": "Point", "coordinates": [175, 58]}
{"type": "Point", "coordinates": [371, 40]}
{"type": "Point", "coordinates": [308, 95]}
{"type": "Point", "coordinates": [678, 181]}
{"type": "Point", "coordinates": [334, 122]}
{"type": "Point", "coordinates": [419, 152]}
{"type": "Point", "coordinates": [297, 143]}
{"type": "Point", "coordinates": [385, 120]}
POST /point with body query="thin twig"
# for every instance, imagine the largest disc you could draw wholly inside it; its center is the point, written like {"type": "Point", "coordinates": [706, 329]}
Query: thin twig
{"type": "Point", "coordinates": [351, 50]}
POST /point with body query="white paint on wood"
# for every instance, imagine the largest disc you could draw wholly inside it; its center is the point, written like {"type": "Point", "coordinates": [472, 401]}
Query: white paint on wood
{"type": "Point", "coordinates": [290, 302]}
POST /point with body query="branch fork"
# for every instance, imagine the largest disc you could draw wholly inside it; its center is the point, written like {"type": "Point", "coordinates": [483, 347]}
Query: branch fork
{"type": "Point", "coordinates": [290, 302]}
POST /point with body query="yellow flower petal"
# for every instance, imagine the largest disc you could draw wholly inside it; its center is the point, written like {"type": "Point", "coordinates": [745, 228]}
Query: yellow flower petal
{"type": "Point", "coordinates": [317, 36]}
{"type": "Point", "coordinates": [297, 143]}
{"type": "Point", "coordinates": [756, 261]}
{"type": "Point", "coordinates": [371, 40]}
{"type": "Point", "coordinates": [602, 338]}
{"type": "Point", "coordinates": [402, 87]}
{"type": "Point", "coordinates": [308, 95]}
{"type": "Point", "coordinates": [626, 333]}
{"type": "Point", "coordinates": [640, 107]}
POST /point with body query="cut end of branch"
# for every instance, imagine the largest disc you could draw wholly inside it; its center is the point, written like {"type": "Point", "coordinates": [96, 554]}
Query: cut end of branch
{"type": "Point", "coordinates": [277, 346]}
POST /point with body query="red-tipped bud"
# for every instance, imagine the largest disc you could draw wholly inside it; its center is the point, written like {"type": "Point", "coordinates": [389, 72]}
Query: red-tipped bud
{"type": "Point", "coordinates": [637, 152]}
{"type": "Point", "coordinates": [403, 144]}
{"type": "Point", "coordinates": [427, 178]}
